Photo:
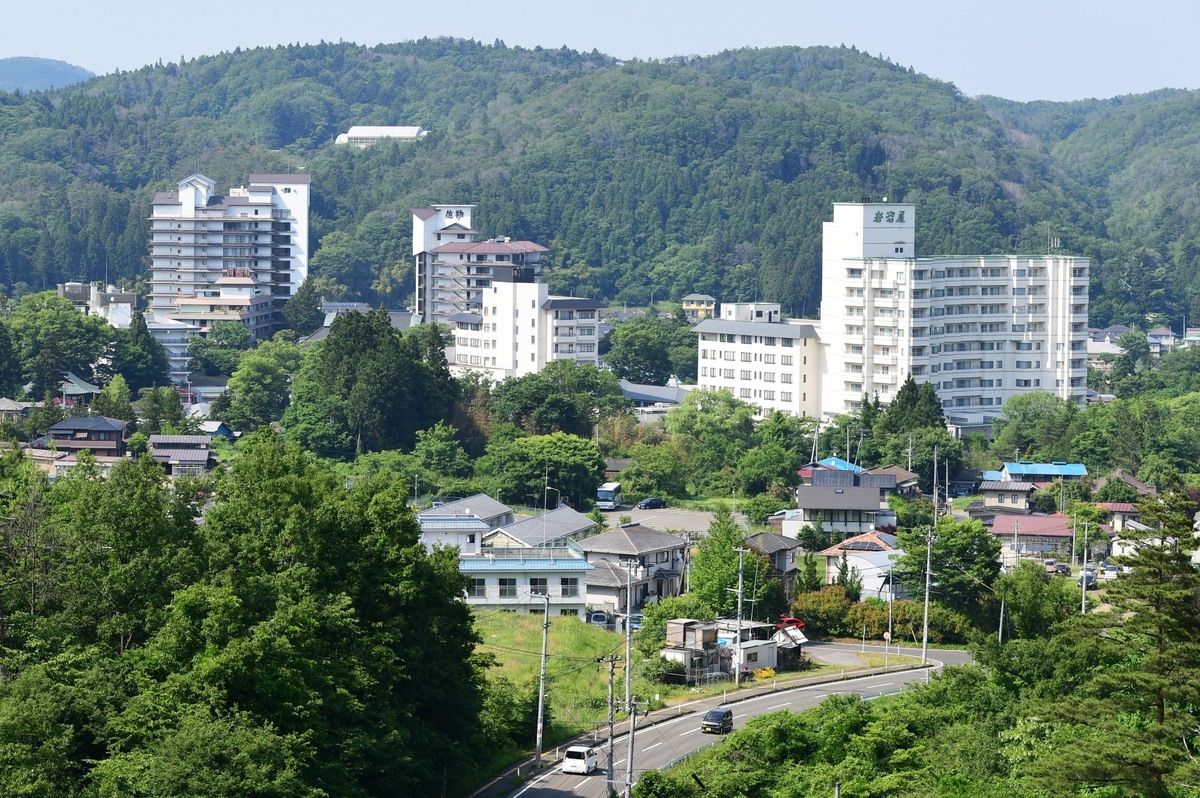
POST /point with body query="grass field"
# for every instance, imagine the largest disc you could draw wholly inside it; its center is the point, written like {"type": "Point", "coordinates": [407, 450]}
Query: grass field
{"type": "Point", "coordinates": [576, 685]}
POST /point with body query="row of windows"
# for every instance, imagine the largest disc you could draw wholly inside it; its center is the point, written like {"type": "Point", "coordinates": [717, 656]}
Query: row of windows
{"type": "Point", "coordinates": [538, 586]}
{"type": "Point", "coordinates": [732, 338]}
{"type": "Point", "coordinates": [746, 374]}
{"type": "Point", "coordinates": [751, 393]}
{"type": "Point", "coordinates": [749, 357]}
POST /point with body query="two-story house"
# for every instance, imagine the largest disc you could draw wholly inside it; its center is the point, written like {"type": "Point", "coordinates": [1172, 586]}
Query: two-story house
{"type": "Point", "coordinates": [182, 455]}
{"type": "Point", "coordinates": [103, 437]}
{"type": "Point", "coordinates": [1007, 497]}
{"type": "Point", "coordinates": [634, 557]}
{"type": "Point", "coordinates": [521, 580]}
{"type": "Point", "coordinates": [784, 555]}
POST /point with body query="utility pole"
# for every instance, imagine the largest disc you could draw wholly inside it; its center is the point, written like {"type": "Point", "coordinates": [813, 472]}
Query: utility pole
{"type": "Point", "coordinates": [629, 762]}
{"type": "Point", "coordinates": [935, 493]}
{"type": "Point", "coordinates": [612, 667]}
{"type": "Point", "coordinates": [1000, 635]}
{"type": "Point", "coordinates": [925, 628]}
{"type": "Point", "coordinates": [910, 445]}
{"type": "Point", "coordinates": [537, 755]}
{"type": "Point", "coordinates": [1074, 538]}
{"type": "Point", "coordinates": [737, 673]}
{"type": "Point", "coordinates": [1083, 574]}
{"type": "Point", "coordinates": [629, 566]}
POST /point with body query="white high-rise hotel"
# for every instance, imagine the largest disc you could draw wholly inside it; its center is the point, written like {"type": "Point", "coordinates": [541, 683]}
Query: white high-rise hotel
{"type": "Point", "coordinates": [492, 295]}
{"type": "Point", "coordinates": [237, 257]}
{"type": "Point", "coordinates": [982, 329]}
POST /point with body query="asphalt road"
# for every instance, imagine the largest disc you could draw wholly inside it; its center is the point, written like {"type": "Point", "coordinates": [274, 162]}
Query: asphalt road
{"type": "Point", "coordinates": [663, 743]}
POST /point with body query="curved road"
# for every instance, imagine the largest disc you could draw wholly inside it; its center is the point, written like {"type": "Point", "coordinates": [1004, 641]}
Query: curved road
{"type": "Point", "coordinates": [663, 743]}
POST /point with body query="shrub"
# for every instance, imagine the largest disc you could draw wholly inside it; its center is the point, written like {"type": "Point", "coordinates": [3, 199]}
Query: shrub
{"type": "Point", "coordinates": [660, 670]}
{"type": "Point", "coordinates": [759, 508]}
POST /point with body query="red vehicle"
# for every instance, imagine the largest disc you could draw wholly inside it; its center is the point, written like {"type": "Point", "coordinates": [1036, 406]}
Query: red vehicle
{"type": "Point", "coordinates": [788, 620]}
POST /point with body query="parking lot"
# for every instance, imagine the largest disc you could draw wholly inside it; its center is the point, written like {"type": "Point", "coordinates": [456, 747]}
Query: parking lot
{"type": "Point", "coordinates": [668, 519]}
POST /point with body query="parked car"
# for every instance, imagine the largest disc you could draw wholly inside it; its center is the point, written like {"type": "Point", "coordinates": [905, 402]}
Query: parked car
{"type": "Point", "coordinates": [788, 620]}
{"type": "Point", "coordinates": [1087, 580]}
{"type": "Point", "coordinates": [1110, 571]}
{"type": "Point", "coordinates": [717, 721]}
{"type": "Point", "coordinates": [579, 759]}
{"type": "Point", "coordinates": [651, 503]}
{"type": "Point", "coordinates": [598, 618]}
{"type": "Point", "coordinates": [1050, 566]}
{"type": "Point", "coordinates": [1062, 569]}
{"type": "Point", "coordinates": [635, 621]}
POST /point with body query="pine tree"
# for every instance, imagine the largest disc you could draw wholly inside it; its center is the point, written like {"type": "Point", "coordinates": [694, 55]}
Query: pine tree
{"type": "Point", "coordinates": [302, 311]}
{"type": "Point", "coordinates": [139, 358]}
{"type": "Point", "coordinates": [10, 366]}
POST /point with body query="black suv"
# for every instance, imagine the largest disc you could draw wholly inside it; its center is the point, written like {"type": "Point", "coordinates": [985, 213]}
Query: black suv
{"type": "Point", "coordinates": [717, 721]}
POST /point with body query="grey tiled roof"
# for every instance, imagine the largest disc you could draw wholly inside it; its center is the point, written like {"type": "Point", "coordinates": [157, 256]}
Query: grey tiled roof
{"type": "Point", "coordinates": [480, 505]}
{"type": "Point", "coordinates": [632, 539]}
{"type": "Point", "coordinates": [556, 524]}
{"type": "Point", "coordinates": [769, 542]}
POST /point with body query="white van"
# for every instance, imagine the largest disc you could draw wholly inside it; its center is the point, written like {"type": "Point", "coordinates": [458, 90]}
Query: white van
{"type": "Point", "coordinates": [579, 759]}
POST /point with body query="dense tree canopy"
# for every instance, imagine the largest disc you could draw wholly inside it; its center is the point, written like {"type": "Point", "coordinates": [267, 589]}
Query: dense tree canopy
{"type": "Point", "coordinates": [649, 180]}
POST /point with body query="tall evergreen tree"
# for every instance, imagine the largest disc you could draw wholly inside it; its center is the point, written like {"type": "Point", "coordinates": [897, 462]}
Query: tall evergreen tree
{"type": "Point", "coordinates": [10, 366]}
{"type": "Point", "coordinates": [139, 357]}
{"type": "Point", "coordinates": [302, 311]}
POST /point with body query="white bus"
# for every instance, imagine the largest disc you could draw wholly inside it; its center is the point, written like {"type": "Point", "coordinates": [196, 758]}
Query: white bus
{"type": "Point", "coordinates": [608, 497]}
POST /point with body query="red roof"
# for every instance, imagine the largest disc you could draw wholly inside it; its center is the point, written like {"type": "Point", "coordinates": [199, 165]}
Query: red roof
{"type": "Point", "coordinates": [1118, 507]}
{"type": "Point", "coordinates": [423, 213]}
{"type": "Point", "coordinates": [868, 541]}
{"type": "Point", "coordinates": [1033, 525]}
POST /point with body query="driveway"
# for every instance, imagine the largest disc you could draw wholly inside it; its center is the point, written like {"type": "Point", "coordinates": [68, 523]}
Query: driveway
{"type": "Point", "coordinates": [670, 519]}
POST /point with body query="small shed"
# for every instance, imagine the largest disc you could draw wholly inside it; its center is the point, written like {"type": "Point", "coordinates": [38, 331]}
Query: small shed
{"type": "Point", "coordinates": [750, 655]}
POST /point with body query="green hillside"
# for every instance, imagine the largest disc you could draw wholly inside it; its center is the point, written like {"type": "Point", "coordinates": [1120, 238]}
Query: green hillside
{"type": "Point", "coordinates": [646, 178]}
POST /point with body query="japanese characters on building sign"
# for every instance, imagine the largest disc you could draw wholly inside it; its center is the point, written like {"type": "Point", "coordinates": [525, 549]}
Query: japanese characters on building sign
{"type": "Point", "coordinates": [891, 217]}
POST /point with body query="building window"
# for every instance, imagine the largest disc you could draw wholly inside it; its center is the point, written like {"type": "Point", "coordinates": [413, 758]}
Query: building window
{"type": "Point", "coordinates": [570, 585]}
{"type": "Point", "coordinates": [537, 586]}
{"type": "Point", "coordinates": [478, 588]}
{"type": "Point", "coordinates": [1000, 497]}
{"type": "Point", "coordinates": [569, 611]}
{"type": "Point", "coordinates": [508, 587]}
{"type": "Point", "coordinates": [1014, 498]}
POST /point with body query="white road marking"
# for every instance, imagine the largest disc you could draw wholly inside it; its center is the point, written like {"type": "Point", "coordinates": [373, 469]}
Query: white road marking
{"type": "Point", "coordinates": [777, 706]}
{"type": "Point", "coordinates": [686, 733]}
{"type": "Point", "coordinates": [619, 761]}
{"type": "Point", "coordinates": [735, 717]}
{"type": "Point", "coordinates": [647, 748]}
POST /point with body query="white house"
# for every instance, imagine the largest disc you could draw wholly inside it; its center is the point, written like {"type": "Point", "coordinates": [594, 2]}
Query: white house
{"type": "Point", "coordinates": [516, 580]}
{"type": "Point", "coordinates": [649, 561]}
{"type": "Point", "coordinates": [561, 526]}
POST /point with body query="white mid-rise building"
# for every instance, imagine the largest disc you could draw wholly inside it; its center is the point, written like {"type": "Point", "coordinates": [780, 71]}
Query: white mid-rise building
{"type": "Point", "coordinates": [761, 358]}
{"type": "Point", "coordinates": [490, 293]}
{"type": "Point", "coordinates": [982, 328]}
{"type": "Point", "coordinates": [237, 257]}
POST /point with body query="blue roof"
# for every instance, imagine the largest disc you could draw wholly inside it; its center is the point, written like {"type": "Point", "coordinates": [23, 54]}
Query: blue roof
{"type": "Point", "coordinates": [477, 564]}
{"type": "Point", "coordinates": [461, 523]}
{"type": "Point", "coordinates": [992, 476]}
{"type": "Point", "coordinates": [840, 464]}
{"type": "Point", "coordinates": [1046, 469]}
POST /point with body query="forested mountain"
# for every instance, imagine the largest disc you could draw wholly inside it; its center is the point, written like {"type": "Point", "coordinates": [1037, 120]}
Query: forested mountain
{"type": "Point", "coordinates": [645, 178]}
{"type": "Point", "coordinates": [22, 73]}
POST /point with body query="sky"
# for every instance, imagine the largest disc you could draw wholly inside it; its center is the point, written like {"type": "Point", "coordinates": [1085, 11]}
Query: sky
{"type": "Point", "coordinates": [1019, 49]}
